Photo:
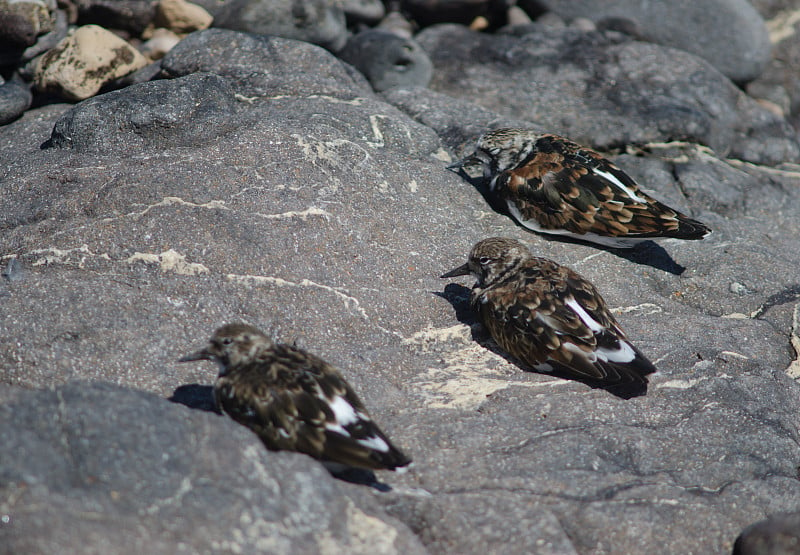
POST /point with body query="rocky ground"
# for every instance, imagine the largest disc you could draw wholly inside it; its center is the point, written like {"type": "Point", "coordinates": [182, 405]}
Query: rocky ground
{"type": "Point", "coordinates": [262, 179]}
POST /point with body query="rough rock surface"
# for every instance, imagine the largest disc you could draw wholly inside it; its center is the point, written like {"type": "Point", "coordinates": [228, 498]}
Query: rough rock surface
{"type": "Point", "coordinates": [730, 34]}
{"type": "Point", "coordinates": [257, 65]}
{"type": "Point", "coordinates": [188, 111]}
{"type": "Point", "coordinates": [85, 61]}
{"type": "Point", "coordinates": [83, 459]}
{"type": "Point", "coordinates": [325, 214]}
{"type": "Point", "coordinates": [317, 21]}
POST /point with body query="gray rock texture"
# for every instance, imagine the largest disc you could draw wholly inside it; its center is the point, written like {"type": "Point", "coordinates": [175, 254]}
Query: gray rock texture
{"type": "Point", "coordinates": [730, 34]}
{"type": "Point", "coordinates": [363, 11]}
{"type": "Point", "coordinates": [94, 468]}
{"type": "Point", "coordinates": [262, 66]}
{"type": "Point", "coordinates": [325, 213]}
{"type": "Point", "coordinates": [187, 111]}
{"type": "Point", "coordinates": [779, 84]}
{"type": "Point", "coordinates": [320, 22]}
{"type": "Point", "coordinates": [15, 98]}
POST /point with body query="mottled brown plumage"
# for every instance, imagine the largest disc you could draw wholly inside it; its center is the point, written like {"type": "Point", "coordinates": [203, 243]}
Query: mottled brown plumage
{"type": "Point", "coordinates": [553, 185]}
{"type": "Point", "coordinates": [294, 400]}
{"type": "Point", "coordinates": [548, 316]}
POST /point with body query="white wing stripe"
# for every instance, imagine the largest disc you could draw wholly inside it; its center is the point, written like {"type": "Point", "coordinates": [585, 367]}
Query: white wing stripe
{"type": "Point", "coordinates": [619, 184]}
{"type": "Point", "coordinates": [590, 322]}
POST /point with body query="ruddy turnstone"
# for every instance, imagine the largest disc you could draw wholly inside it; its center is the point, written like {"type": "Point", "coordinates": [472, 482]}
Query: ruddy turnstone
{"type": "Point", "coordinates": [294, 401]}
{"type": "Point", "coordinates": [549, 317]}
{"type": "Point", "coordinates": [552, 185]}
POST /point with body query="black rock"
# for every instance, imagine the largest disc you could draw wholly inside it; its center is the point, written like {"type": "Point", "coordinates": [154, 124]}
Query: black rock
{"type": "Point", "coordinates": [129, 15]}
{"type": "Point", "coordinates": [605, 89]}
{"type": "Point", "coordinates": [777, 535]}
{"type": "Point", "coordinates": [180, 112]}
{"type": "Point", "coordinates": [143, 75]}
{"type": "Point", "coordinates": [15, 98]}
{"type": "Point", "coordinates": [388, 60]}
{"type": "Point", "coordinates": [729, 34]}
{"type": "Point", "coordinates": [429, 12]}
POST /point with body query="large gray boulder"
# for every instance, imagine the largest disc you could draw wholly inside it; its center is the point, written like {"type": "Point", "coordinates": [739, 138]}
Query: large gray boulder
{"type": "Point", "coordinates": [320, 22]}
{"type": "Point", "coordinates": [90, 468]}
{"type": "Point", "coordinates": [325, 214]}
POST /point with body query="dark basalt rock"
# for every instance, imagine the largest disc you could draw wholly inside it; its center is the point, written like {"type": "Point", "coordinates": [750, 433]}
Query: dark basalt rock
{"type": "Point", "coordinates": [159, 114]}
{"type": "Point", "coordinates": [97, 467]}
{"type": "Point", "coordinates": [315, 21]}
{"type": "Point", "coordinates": [387, 60]}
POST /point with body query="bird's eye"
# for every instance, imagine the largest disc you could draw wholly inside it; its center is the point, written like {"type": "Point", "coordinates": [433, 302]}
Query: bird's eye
{"type": "Point", "coordinates": [484, 260]}
{"type": "Point", "coordinates": [227, 340]}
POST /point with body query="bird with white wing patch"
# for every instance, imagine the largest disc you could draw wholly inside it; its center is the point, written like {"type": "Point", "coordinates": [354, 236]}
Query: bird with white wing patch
{"type": "Point", "coordinates": [295, 401]}
{"type": "Point", "coordinates": [552, 185]}
{"type": "Point", "coordinates": [550, 318]}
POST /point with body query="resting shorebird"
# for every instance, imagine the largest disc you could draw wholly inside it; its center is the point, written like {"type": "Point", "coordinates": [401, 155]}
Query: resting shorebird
{"type": "Point", "coordinates": [549, 317]}
{"type": "Point", "coordinates": [551, 185]}
{"type": "Point", "coordinates": [294, 401]}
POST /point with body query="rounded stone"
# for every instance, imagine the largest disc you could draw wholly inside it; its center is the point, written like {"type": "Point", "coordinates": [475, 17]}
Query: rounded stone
{"type": "Point", "coordinates": [180, 16]}
{"type": "Point", "coordinates": [160, 43]}
{"type": "Point", "coordinates": [364, 11]}
{"type": "Point", "coordinates": [777, 535]}
{"type": "Point", "coordinates": [316, 21]}
{"type": "Point", "coordinates": [15, 98]}
{"type": "Point", "coordinates": [388, 60]}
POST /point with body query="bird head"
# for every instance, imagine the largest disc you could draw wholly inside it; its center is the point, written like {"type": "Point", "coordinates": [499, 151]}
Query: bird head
{"type": "Point", "coordinates": [231, 345]}
{"type": "Point", "coordinates": [490, 259]}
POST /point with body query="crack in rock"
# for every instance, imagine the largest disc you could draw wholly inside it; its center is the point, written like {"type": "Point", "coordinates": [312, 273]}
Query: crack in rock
{"type": "Point", "coordinates": [351, 303]}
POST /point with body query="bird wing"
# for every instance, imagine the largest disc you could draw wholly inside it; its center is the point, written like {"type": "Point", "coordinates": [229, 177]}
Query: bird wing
{"type": "Point", "coordinates": [562, 325]}
{"type": "Point", "coordinates": [579, 191]}
{"type": "Point", "coordinates": [333, 423]}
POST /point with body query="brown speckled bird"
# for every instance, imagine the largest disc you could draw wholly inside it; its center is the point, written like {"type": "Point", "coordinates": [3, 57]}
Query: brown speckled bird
{"type": "Point", "coordinates": [549, 317]}
{"type": "Point", "coordinates": [294, 401]}
{"type": "Point", "coordinates": [552, 185]}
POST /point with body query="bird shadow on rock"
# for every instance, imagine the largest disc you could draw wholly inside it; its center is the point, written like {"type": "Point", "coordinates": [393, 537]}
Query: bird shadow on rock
{"type": "Point", "coordinates": [646, 253]}
{"type": "Point", "coordinates": [201, 397]}
{"type": "Point", "coordinates": [458, 296]}
{"type": "Point", "coordinates": [195, 396]}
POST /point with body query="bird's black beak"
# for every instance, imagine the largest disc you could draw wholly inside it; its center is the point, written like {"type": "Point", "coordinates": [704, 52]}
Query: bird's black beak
{"type": "Point", "coordinates": [202, 354]}
{"type": "Point", "coordinates": [462, 270]}
{"type": "Point", "coordinates": [456, 166]}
